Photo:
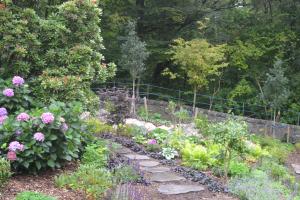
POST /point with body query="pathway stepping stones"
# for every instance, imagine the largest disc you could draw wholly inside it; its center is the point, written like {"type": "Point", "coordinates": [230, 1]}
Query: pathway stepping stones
{"type": "Point", "coordinates": [296, 168]}
{"type": "Point", "coordinates": [155, 169]}
{"type": "Point", "coordinates": [179, 189]}
{"type": "Point", "coordinates": [136, 157]}
{"type": "Point", "coordinates": [165, 177]}
{"type": "Point", "coordinates": [148, 163]}
{"type": "Point", "coordinates": [124, 151]}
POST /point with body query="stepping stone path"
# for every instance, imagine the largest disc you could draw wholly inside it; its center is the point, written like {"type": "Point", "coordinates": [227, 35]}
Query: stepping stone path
{"type": "Point", "coordinates": [165, 177]}
{"type": "Point", "coordinates": [148, 163]}
{"type": "Point", "coordinates": [155, 169]}
{"type": "Point", "coordinates": [136, 157]}
{"type": "Point", "coordinates": [169, 183]}
{"type": "Point", "coordinates": [296, 168]}
{"type": "Point", "coordinates": [179, 189]}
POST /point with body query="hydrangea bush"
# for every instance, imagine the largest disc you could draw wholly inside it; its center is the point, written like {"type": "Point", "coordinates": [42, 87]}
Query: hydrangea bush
{"type": "Point", "coordinates": [39, 138]}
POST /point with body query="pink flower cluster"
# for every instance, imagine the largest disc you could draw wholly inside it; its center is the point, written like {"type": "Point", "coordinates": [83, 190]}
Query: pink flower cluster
{"type": "Point", "coordinates": [23, 117]}
{"type": "Point", "coordinates": [47, 118]}
{"type": "Point", "coordinates": [152, 142]}
{"type": "Point", "coordinates": [18, 81]}
{"type": "Point", "coordinates": [13, 148]}
{"type": "Point", "coordinates": [40, 137]}
{"type": "Point", "coordinates": [8, 92]}
{"type": "Point", "coordinates": [3, 115]}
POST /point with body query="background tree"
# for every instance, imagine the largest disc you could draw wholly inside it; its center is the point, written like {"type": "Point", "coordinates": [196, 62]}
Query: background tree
{"type": "Point", "coordinates": [276, 88]}
{"type": "Point", "coordinates": [199, 60]}
{"type": "Point", "coordinates": [134, 55]}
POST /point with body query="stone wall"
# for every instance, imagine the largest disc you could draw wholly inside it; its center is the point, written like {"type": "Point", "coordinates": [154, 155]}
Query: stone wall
{"type": "Point", "coordinates": [281, 131]}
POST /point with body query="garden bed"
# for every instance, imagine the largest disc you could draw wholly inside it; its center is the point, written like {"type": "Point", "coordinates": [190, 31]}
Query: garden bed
{"type": "Point", "coordinates": [43, 183]}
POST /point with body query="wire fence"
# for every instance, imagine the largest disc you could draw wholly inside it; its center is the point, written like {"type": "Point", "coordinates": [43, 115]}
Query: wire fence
{"type": "Point", "coordinates": [205, 101]}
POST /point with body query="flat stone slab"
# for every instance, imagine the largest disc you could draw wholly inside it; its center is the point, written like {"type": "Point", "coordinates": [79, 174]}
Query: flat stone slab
{"type": "Point", "coordinates": [124, 151]}
{"type": "Point", "coordinates": [179, 189]}
{"type": "Point", "coordinates": [148, 163]}
{"type": "Point", "coordinates": [155, 169]}
{"type": "Point", "coordinates": [296, 168]}
{"type": "Point", "coordinates": [136, 157]}
{"type": "Point", "coordinates": [165, 177]}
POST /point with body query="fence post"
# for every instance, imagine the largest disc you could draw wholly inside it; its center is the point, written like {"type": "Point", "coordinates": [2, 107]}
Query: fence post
{"type": "Point", "coordinates": [148, 88]}
{"type": "Point", "coordinates": [243, 108]}
{"type": "Point", "coordinates": [146, 106]}
{"type": "Point", "coordinates": [298, 119]}
{"type": "Point", "coordinates": [179, 97]}
{"type": "Point", "coordinates": [288, 134]}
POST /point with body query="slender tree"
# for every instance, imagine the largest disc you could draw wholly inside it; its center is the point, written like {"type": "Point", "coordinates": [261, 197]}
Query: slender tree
{"type": "Point", "coordinates": [134, 55]}
{"type": "Point", "coordinates": [276, 88]}
{"type": "Point", "coordinates": [199, 60]}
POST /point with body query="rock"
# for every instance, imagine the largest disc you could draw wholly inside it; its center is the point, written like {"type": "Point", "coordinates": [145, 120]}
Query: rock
{"type": "Point", "coordinates": [148, 163]}
{"type": "Point", "coordinates": [179, 189]}
{"type": "Point", "coordinates": [167, 128]}
{"type": "Point", "coordinates": [296, 168]}
{"type": "Point", "coordinates": [85, 115]}
{"type": "Point", "coordinates": [149, 126]}
{"type": "Point", "coordinates": [165, 177]}
{"type": "Point", "coordinates": [124, 151]}
{"type": "Point", "coordinates": [155, 169]}
{"type": "Point", "coordinates": [136, 157]}
{"type": "Point", "coordinates": [189, 129]}
{"type": "Point", "coordinates": [131, 121]}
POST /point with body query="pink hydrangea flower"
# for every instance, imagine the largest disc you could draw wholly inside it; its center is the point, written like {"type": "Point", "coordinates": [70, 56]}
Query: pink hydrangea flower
{"type": "Point", "coordinates": [3, 111]}
{"type": "Point", "coordinates": [40, 137]}
{"type": "Point", "coordinates": [47, 118]}
{"type": "Point", "coordinates": [12, 156]}
{"type": "Point", "coordinates": [152, 141]}
{"type": "Point", "coordinates": [18, 132]}
{"type": "Point", "coordinates": [18, 81]}
{"type": "Point", "coordinates": [16, 146]}
{"type": "Point", "coordinates": [23, 117]}
{"type": "Point", "coordinates": [64, 127]}
{"type": "Point", "coordinates": [8, 92]}
{"type": "Point", "coordinates": [2, 119]}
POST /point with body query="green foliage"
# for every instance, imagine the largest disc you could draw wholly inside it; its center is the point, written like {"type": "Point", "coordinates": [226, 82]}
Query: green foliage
{"type": "Point", "coordinates": [28, 195]}
{"type": "Point", "coordinates": [160, 135]}
{"type": "Point", "coordinates": [257, 185]}
{"type": "Point", "coordinates": [125, 174]}
{"type": "Point", "coordinates": [95, 126]}
{"type": "Point", "coordinates": [5, 172]}
{"type": "Point", "coordinates": [96, 155]}
{"type": "Point", "coordinates": [237, 168]}
{"type": "Point", "coordinates": [182, 115]}
{"type": "Point", "coordinates": [231, 135]}
{"type": "Point", "coordinates": [89, 178]}
{"type": "Point", "coordinates": [276, 87]}
{"type": "Point", "coordinates": [169, 153]}
{"type": "Point", "coordinates": [202, 124]}
{"type": "Point", "coordinates": [200, 157]}
{"type": "Point", "coordinates": [155, 118]}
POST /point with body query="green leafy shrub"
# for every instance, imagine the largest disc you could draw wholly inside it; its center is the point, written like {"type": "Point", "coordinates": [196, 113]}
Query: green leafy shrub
{"type": "Point", "coordinates": [94, 125]}
{"type": "Point", "coordinates": [199, 157]}
{"type": "Point", "coordinates": [297, 146]}
{"type": "Point", "coordinates": [231, 135]}
{"type": "Point", "coordinates": [124, 174]}
{"type": "Point", "coordinates": [169, 153]}
{"type": "Point", "coordinates": [182, 115]}
{"type": "Point", "coordinates": [256, 185]}
{"type": "Point", "coordinates": [96, 155]}
{"type": "Point", "coordinates": [237, 168]}
{"type": "Point", "coordinates": [160, 135]}
{"type": "Point", "coordinates": [91, 179]}
{"type": "Point", "coordinates": [5, 172]}
{"type": "Point", "coordinates": [202, 124]}
{"type": "Point", "coordinates": [28, 195]}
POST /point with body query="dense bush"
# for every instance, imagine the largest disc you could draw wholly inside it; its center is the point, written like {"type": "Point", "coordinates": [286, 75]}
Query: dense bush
{"type": "Point", "coordinates": [5, 172]}
{"type": "Point", "coordinates": [36, 138]}
{"type": "Point", "coordinates": [33, 196]}
{"type": "Point", "coordinates": [95, 154]}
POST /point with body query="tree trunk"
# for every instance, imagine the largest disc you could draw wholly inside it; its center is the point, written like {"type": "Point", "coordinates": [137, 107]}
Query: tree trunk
{"type": "Point", "coordinates": [138, 88]}
{"type": "Point", "coordinates": [133, 97]}
{"type": "Point", "coordinates": [195, 98]}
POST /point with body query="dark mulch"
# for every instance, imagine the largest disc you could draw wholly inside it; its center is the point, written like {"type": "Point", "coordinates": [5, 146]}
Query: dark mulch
{"type": "Point", "coordinates": [43, 183]}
